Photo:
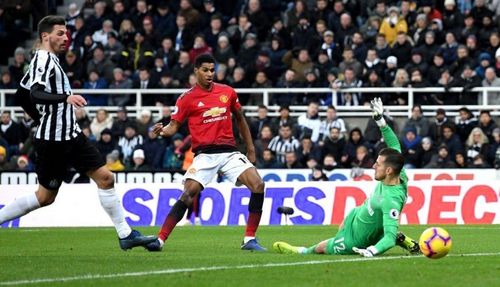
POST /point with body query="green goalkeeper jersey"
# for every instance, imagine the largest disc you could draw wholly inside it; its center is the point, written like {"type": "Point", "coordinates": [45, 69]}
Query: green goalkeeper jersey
{"type": "Point", "coordinates": [376, 221]}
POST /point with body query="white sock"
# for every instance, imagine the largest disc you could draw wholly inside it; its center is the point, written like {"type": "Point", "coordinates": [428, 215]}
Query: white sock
{"type": "Point", "coordinates": [248, 238]}
{"type": "Point", "coordinates": [112, 205]}
{"type": "Point", "coordinates": [19, 207]}
{"type": "Point", "coordinates": [302, 250]}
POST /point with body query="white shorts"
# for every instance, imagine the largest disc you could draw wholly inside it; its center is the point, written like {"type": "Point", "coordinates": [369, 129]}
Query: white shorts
{"type": "Point", "coordinates": [205, 167]}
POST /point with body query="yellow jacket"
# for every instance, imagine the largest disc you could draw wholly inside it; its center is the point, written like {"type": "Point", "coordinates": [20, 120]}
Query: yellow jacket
{"type": "Point", "coordinates": [391, 32]}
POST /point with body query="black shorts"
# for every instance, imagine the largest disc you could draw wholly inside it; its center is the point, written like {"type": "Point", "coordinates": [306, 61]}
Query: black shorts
{"type": "Point", "coordinates": [54, 159]}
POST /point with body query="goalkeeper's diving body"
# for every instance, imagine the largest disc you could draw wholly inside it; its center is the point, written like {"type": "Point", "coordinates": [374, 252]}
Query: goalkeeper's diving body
{"type": "Point", "coordinates": [372, 228]}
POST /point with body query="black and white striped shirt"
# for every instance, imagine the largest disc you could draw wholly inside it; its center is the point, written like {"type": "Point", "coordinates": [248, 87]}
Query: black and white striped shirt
{"type": "Point", "coordinates": [58, 121]}
{"type": "Point", "coordinates": [281, 146]}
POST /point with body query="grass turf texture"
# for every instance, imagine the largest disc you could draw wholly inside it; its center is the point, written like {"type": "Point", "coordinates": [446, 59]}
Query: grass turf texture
{"type": "Point", "coordinates": [210, 256]}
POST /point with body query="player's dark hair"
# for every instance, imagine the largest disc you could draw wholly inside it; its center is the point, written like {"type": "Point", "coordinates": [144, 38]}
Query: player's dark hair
{"type": "Point", "coordinates": [46, 25]}
{"type": "Point", "coordinates": [203, 58]}
{"type": "Point", "coordinates": [393, 158]}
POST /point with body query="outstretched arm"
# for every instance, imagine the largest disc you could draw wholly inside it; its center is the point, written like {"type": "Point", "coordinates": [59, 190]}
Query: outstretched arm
{"type": "Point", "coordinates": [390, 137]}
{"type": "Point", "coordinates": [245, 133]}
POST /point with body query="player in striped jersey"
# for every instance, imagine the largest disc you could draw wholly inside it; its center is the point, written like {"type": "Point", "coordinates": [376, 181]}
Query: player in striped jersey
{"type": "Point", "coordinates": [59, 142]}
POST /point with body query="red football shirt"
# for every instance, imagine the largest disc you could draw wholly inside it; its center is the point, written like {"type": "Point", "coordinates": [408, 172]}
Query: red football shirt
{"type": "Point", "coordinates": [208, 114]}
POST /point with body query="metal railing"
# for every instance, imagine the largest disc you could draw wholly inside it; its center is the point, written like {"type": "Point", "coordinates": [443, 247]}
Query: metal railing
{"type": "Point", "coordinates": [344, 111]}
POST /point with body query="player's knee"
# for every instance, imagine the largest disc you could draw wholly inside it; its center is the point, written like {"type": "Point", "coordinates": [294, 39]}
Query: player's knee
{"type": "Point", "coordinates": [106, 181]}
{"type": "Point", "coordinates": [46, 199]}
{"type": "Point", "coordinates": [257, 186]}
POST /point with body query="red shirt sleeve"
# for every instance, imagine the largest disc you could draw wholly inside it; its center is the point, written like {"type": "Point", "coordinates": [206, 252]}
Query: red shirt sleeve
{"type": "Point", "coordinates": [235, 102]}
{"type": "Point", "coordinates": [181, 110]}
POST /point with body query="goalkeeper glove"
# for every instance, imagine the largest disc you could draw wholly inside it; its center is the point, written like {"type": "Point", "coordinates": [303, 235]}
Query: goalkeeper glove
{"type": "Point", "coordinates": [378, 111]}
{"type": "Point", "coordinates": [368, 252]}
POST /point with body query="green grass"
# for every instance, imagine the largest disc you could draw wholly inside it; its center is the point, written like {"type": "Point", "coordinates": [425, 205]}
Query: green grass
{"type": "Point", "coordinates": [57, 253]}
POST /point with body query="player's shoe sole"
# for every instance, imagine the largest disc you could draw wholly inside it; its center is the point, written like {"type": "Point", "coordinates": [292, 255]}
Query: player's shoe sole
{"type": "Point", "coordinates": [285, 248]}
{"type": "Point", "coordinates": [135, 239]}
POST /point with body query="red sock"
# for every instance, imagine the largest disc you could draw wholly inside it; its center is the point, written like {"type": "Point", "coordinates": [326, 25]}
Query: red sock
{"type": "Point", "coordinates": [253, 223]}
{"type": "Point", "coordinates": [174, 216]}
{"type": "Point", "coordinates": [167, 227]}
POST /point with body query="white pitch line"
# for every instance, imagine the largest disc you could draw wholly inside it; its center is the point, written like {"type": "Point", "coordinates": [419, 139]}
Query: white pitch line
{"type": "Point", "coordinates": [216, 268]}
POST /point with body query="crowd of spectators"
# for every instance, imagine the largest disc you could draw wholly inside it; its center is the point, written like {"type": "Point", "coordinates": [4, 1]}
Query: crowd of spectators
{"type": "Point", "coordinates": [338, 44]}
{"type": "Point", "coordinates": [303, 43]}
{"type": "Point", "coordinates": [307, 141]}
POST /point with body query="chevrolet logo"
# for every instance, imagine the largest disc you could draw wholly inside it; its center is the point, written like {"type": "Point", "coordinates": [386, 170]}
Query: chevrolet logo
{"type": "Point", "coordinates": [214, 112]}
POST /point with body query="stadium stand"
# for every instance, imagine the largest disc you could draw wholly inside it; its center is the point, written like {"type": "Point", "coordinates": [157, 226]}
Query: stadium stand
{"type": "Point", "coordinates": [133, 58]}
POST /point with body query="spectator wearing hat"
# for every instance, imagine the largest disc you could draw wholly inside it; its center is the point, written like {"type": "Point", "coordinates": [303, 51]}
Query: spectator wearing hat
{"type": "Point", "coordinates": [427, 7]}
{"type": "Point", "coordinates": [223, 52]}
{"type": "Point", "coordinates": [120, 81]}
{"type": "Point", "coordinates": [164, 20]}
{"type": "Point", "coordinates": [453, 19]}
{"type": "Point", "coordinates": [429, 47]}
{"type": "Point", "coordinates": [417, 62]}
{"type": "Point", "coordinates": [484, 61]}
{"type": "Point", "coordinates": [144, 122]}
{"type": "Point", "coordinates": [491, 80]}
{"type": "Point", "coordinates": [410, 145]}
{"type": "Point", "coordinates": [332, 49]}
{"type": "Point", "coordinates": [5, 165]}
{"type": "Point", "coordinates": [303, 34]}
{"type": "Point", "coordinates": [113, 162]}
{"type": "Point", "coordinates": [419, 30]}
{"type": "Point", "coordinates": [24, 164]}
{"type": "Point", "coordinates": [20, 65]}
{"type": "Point", "coordinates": [442, 159]}
{"type": "Point", "coordinates": [172, 159]}
{"type": "Point", "coordinates": [436, 69]}
{"type": "Point", "coordinates": [113, 48]}
{"type": "Point", "coordinates": [128, 142]}
{"type": "Point", "coordinates": [370, 30]}
{"type": "Point", "coordinates": [106, 144]}
{"type": "Point", "coordinates": [425, 151]}
{"type": "Point", "coordinates": [392, 25]}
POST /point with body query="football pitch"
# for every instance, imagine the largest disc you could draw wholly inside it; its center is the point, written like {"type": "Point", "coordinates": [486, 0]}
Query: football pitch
{"type": "Point", "coordinates": [210, 256]}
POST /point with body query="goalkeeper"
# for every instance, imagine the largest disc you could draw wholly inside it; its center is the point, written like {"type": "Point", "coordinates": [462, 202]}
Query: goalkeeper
{"type": "Point", "coordinates": [372, 228]}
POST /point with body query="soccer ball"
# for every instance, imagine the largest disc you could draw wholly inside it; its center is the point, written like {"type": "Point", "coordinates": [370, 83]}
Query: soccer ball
{"type": "Point", "coordinates": [435, 242]}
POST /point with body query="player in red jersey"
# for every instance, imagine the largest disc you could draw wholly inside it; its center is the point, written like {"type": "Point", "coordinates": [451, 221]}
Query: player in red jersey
{"type": "Point", "coordinates": [207, 107]}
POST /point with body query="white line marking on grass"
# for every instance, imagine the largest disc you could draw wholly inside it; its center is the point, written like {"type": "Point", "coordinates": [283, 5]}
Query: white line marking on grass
{"type": "Point", "coordinates": [216, 268]}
